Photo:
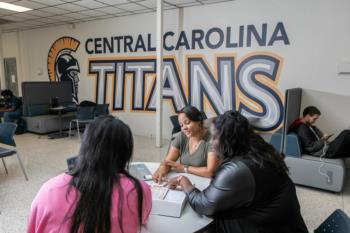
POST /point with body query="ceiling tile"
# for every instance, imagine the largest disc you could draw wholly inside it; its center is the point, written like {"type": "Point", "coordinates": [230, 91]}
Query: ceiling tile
{"type": "Point", "coordinates": [60, 18]}
{"type": "Point", "coordinates": [9, 1]}
{"type": "Point", "coordinates": [90, 4]}
{"type": "Point", "coordinates": [58, 12]}
{"type": "Point", "coordinates": [214, 1]}
{"type": "Point", "coordinates": [110, 10]}
{"type": "Point", "coordinates": [105, 17]}
{"type": "Point", "coordinates": [92, 13]}
{"type": "Point", "coordinates": [23, 16]}
{"type": "Point", "coordinates": [189, 4]}
{"type": "Point", "coordinates": [132, 7]}
{"type": "Point", "coordinates": [71, 7]}
{"type": "Point", "coordinates": [176, 2]}
{"type": "Point", "coordinates": [70, 0]}
{"type": "Point", "coordinates": [30, 4]}
{"type": "Point", "coordinates": [149, 3]}
{"type": "Point", "coordinates": [113, 2]}
{"type": "Point", "coordinates": [145, 11]}
{"type": "Point", "coordinates": [39, 13]}
{"type": "Point", "coordinates": [55, 10]}
{"type": "Point", "coordinates": [47, 20]}
{"type": "Point", "coordinates": [125, 14]}
{"type": "Point", "coordinates": [48, 2]}
{"type": "Point", "coordinates": [37, 22]}
{"type": "Point", "coordinates": [76, 15]}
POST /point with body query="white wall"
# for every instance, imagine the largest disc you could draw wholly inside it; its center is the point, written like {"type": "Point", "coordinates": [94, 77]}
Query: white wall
{"type": "Point", "coordinates": [318, 32]}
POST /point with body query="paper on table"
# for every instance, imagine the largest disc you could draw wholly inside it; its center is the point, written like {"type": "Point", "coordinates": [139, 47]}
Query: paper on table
{"type": "Point", "coordinates": [158, 192]}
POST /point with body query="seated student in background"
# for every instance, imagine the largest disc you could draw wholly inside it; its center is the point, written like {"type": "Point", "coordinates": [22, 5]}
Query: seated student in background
{"type": "Point", "coordinates": [191, 147]}
{"type": "Point", "coordinates": [12, 109]}
{"type": "Point", "coordinates": [251, 190]}
{"type": "Point", "coordinates": [316, 143]}
{"type": "Point", "coordinates": [99, 195]}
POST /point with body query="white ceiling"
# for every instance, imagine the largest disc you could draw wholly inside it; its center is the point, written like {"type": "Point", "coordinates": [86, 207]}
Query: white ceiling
{"type": "Point", "coordinates": [47, 13]}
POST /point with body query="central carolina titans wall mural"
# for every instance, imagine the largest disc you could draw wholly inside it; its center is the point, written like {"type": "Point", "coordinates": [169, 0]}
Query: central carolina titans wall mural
{"type": "Point", "coordinates": [248, 83]}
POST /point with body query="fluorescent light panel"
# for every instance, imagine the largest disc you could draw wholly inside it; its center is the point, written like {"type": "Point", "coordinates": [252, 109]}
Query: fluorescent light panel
{"type": "Point", "coordinates": [13, 7]}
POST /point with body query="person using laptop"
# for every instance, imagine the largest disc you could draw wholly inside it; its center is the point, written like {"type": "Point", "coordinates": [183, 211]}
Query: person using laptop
{"type": "Point", "coordinates": [190, 150]}
{"type": "Point", "coordinates": [251, 190]}
{"type": "Point", "coordinates": [11, 110]}
{"type": "Point", "coordinates": [314, 141]}
{"type": "Point", "coordinates": [99, 195]}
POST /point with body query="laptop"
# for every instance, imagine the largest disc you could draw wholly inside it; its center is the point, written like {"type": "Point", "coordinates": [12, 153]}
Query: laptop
{"type": "Point", "coordinates": [140, 171]}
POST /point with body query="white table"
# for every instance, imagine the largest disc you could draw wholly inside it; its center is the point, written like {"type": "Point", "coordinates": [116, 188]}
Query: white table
{"type": "Point", "coordinates": [189, 221]}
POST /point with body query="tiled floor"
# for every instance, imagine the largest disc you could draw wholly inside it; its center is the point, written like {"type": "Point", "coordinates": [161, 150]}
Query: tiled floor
{"type": "Point", "coordinates": [45, 158]}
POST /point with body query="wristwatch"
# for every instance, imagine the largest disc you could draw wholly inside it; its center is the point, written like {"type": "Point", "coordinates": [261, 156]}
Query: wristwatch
{"type": "Point", "coordinates": [186, 168]}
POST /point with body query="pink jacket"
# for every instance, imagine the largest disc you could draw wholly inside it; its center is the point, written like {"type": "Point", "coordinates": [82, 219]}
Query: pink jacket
{"type": "Point", "coordinates": [52, 204]}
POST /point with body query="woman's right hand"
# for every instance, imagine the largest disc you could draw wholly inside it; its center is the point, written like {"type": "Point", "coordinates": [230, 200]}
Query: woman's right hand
{"type": "Point", "coordinates": [160, 174]}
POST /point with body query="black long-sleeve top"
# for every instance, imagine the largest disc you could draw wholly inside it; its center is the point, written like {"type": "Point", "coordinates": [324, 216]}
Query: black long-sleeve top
{"type": "Point", "coordinates": [310, 139]}
{"type": "Point", "coordinates": [259, 199]}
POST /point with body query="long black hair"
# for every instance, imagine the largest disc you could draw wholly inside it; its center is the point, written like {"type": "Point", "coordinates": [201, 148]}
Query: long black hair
{"type": "Point", "coordinates": [236, 137]}
{"type": "Point", "coordinates": [104, 156]}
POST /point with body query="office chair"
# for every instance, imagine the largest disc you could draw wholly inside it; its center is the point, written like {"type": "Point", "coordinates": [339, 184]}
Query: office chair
{"type": "Point", "coordinates": [7, 130]}
{"type": "Point", "coordinates": [85, 114]}
{"type": "Point", "coordinates": [101, 110]}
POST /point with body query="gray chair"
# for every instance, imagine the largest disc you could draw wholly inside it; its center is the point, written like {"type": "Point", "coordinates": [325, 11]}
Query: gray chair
{"type": "Point", "coordinates": [85, 114]}
{"type": "Point", "coordinates": [7, 131]}
{"type": "Point", "coordinates": [337, 222]}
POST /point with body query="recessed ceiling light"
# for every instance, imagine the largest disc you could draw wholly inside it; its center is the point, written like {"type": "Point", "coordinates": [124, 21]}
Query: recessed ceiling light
{"type": "Point", "coordinates": [13, 7]}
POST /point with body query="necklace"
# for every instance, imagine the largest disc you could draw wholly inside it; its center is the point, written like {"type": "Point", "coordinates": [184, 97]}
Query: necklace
{"type": "Point", "coordinates": [193, 147]}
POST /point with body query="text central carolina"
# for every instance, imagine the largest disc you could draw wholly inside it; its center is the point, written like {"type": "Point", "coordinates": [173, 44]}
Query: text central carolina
{"type": "Point", "coordinates": [213, 38]}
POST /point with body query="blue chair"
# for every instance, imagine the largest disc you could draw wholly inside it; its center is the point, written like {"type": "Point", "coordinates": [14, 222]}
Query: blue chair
{"type": "Point", "coordinates": [337, 222]}
{"type": "Point", "coordinates": [85, 114]}
{"type": "Point", "coordinates": [276, 141]}
{"type": "Point", "coordinates": [7, 130]}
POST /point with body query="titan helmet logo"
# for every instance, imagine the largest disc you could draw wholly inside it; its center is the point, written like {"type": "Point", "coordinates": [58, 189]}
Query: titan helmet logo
{"type": "Point", "coordinates": [61, 64]}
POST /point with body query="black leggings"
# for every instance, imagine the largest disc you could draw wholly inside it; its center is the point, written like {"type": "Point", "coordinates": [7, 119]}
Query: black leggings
{"type": "Point", "coordinates": [340, 146]}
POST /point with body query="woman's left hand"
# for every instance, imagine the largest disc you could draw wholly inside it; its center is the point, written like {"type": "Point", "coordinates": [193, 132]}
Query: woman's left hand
{"type": "Point", "coordinates": [177, 167]}
{"type": "Point", "coordinates": [173, 183]}
{"type": "Point", "coordinates": [183, 181]}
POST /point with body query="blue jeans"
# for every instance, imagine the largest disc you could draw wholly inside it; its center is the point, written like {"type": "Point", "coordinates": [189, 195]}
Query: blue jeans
{"type": "Point", "coordinates": [11, 116]}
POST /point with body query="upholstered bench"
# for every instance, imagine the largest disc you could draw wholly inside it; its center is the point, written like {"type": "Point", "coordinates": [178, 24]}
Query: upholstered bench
{"type": "Point", "coordinates": [39, 120]}
{"type": "Point", "coordinates": [328, 174]}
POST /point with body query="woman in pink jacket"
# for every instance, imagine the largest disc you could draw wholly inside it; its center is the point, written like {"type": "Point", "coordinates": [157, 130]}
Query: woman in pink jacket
{"type": "Point", "coordinates": [99, 195]}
